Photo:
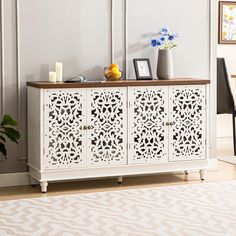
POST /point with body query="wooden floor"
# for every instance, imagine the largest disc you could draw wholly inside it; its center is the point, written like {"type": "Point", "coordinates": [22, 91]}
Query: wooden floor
{"type": "Point", "coordinates": [225, 172]}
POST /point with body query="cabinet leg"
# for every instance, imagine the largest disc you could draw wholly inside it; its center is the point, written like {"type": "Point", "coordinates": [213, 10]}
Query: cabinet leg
{"type": "Point", "coordinates": [120, 180]}
{"type": "Point", "coordinates": [202, 174]}
{"type": "Point", "coordinates": [44, 186]}
{"type": "Point", "coordinates": [186, 175]}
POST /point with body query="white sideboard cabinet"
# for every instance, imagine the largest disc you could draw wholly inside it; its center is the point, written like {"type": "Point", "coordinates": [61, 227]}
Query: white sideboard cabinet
{"type": "Point", "coordinates": [101, 129]}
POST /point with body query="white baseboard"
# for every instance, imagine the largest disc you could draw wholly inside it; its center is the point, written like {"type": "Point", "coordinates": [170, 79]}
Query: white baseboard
{"type": "Point", "coordinates": [14, 179]}
{"type": "Point", "coordinates": [22, 178]}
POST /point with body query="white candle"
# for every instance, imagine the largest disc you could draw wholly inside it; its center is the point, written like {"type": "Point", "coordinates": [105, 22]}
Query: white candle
{"type": "Point", "coordinates": [59, 71]}
{"type": "Point", "coordinates": [52, 77]}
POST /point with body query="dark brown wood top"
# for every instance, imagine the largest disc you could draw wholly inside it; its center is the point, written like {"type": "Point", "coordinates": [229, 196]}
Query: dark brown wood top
{"type": "Point", "coordinates": [120, 83]}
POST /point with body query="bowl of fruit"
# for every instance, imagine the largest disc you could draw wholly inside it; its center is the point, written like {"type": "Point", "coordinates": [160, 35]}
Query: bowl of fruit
{"type": "Point", "coordinates": [112, 72]}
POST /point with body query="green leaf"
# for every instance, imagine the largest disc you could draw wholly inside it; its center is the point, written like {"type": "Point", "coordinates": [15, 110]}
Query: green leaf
{"type": "Point", "coordinates": [11, 133]}
{"type": "Point", "coordinates": [8, 120]}
{"type": "Point", "coordinates": [2, 138]}
{"type": "Point", "coordinates": [3, 150]}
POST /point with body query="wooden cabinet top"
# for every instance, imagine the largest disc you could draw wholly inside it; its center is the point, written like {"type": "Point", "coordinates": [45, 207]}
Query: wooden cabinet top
{"type": "Point", "coordinates": [121, 83]}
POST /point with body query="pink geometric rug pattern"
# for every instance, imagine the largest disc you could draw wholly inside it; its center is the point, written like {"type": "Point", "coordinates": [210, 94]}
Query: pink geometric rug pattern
{"type": "Point", "coordinates": [186, 210]}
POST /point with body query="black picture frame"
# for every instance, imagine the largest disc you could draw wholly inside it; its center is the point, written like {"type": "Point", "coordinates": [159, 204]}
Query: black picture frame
{"type": "Point", "coordinates": [144, 62]}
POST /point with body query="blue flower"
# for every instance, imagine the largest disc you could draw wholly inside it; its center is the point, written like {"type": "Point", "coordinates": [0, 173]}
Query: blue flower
{"type": "Point", "coordinates": [162, 39]}
{"type": "Point", "coordinates": [164, 31]}
{"type": "Point", "coordinates": [159, 42]}
{"type": "Point", "coordinates": [166, 40]}
{"type": "Point", "coordinates": [154, 42]}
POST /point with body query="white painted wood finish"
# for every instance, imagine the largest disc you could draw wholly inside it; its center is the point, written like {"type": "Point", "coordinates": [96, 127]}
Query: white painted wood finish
{"type": "Point", "coordinates": [99, 132]}
{"type": "Point", "coordinates": [64, 137]}
{"type": "Point", "coordinates": [106, 127]}
{"type": "Point", "coordinates": [35, 127]}
{"type": "Point", "coordinates": [187, 119]}
{"type": "Point", "coordinates": [148, 133]}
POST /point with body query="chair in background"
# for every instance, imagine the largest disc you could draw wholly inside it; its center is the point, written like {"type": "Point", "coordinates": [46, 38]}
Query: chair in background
{"type": "Point", "coordinates": [225, 99]}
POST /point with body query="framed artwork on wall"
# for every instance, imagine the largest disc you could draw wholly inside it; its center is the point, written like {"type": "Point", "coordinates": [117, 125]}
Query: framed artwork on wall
{"type": "Point", "coordinates": [142, 69]}
{"type": "Point", "coordinates": [227, 22]}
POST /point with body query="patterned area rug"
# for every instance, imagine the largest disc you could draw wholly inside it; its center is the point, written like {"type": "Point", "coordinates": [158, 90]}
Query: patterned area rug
{"type": "Point", "coordinates": [187, 210]}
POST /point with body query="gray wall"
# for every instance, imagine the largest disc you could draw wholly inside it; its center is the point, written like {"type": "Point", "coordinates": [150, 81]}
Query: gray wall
{"type": "Point", "coordinates": [78, 33]}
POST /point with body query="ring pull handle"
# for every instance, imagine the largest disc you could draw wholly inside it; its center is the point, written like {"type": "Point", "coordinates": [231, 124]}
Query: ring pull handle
{"type": "Point", "coordinates": [81, 127]}
{"type": "Point", "coordinates": [85, 127]}
{"type": "Point", "coordinates": [167, 123]}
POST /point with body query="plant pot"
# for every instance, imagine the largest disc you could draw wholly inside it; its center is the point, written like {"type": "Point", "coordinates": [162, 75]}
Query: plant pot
{"type": "Point", "coordinates": [165, 69]}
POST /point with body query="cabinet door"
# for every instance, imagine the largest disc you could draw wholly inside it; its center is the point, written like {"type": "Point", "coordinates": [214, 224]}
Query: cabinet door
{"type": "Point", "coordinates": [148, 134]}
{"type": "Point", "coordinates": [64, 142]}
{"type": "Point", "coordinates": [187, 106]}
{"type": "Point", "coordinates": [107, 115]}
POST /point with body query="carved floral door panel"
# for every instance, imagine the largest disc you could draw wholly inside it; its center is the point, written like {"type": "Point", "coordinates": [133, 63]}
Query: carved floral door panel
{"type": "Point", "coordinates": [107, 119]}
{"type": "Point", "coordinates": [64, 141]}
{"type": "Point", "coordinates": [187, 109]}
{"type": "Point", "coordinates": [148, 134]}
{"type": "Point", "coordinates": [88, 127]}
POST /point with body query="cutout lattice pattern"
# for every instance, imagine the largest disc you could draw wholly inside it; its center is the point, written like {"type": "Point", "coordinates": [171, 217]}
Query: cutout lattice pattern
{"type": "Point", "coordinates": [187, 111]}
{"type": "Point", "coordinates": [149, 135]}
{"type": "Point", "coordinates": [64, 115]}
{"type": "Point", "coordinates": [107, 114]}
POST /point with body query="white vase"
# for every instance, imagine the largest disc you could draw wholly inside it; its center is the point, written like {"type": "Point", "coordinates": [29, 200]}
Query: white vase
{"type": "Point", "coordinates": [165, 68]}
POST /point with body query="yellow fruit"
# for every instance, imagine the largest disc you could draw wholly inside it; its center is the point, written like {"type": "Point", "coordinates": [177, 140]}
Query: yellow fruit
{"type": "Point", "coordinates": [115, 73]}
{"type": "Point", "coordinates": [114, 66]}
{"type": "Point", "coordinates": [114, 70]}
{"type": "Point", "coordinates": [118, 76]}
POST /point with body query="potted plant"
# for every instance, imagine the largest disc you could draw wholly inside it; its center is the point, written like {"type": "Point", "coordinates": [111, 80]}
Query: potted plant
{"type": "Point", "coordinates": [165, 43]}
{"type": "Point", "coordinates": [7, 132]}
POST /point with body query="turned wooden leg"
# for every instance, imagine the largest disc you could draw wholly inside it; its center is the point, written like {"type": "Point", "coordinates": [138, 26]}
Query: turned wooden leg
{"type": "Point", "coordinates": [44, 185]}
{"type": "Point", "coordinates": [186, 175]}
{"type": "Point", "coordinates": [119, 180]}
{"type": "Point", "coordinates": [202, 174]}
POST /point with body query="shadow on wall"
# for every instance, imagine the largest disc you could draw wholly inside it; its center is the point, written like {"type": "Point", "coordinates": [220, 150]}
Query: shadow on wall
{"type": "Point", "coordinates": [44, 71]}
{"type": "Point", "coordinates": [95, 73]}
